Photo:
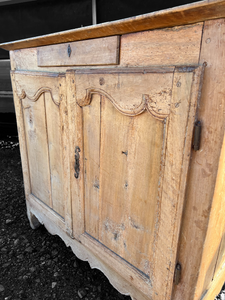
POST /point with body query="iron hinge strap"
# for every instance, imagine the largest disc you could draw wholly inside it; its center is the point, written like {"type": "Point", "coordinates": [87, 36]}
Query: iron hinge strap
{"type": "Point", "coordinates": [197, 135]}
{"type": "Point", "coordinates": [177, 273]}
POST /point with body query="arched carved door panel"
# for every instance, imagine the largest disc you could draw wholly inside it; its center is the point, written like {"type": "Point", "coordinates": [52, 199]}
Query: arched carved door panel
{"type": "Point", "coordinates": [41, 102]}
{"type": "Point", "coordinates": [134, 129]}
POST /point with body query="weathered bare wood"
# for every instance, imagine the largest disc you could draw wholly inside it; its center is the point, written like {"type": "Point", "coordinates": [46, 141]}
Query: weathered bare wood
{"type": "Point", "coordinates": [56, 226]}
{"type": "Point", "coordinates": [136, 150]}
{"type": "Point", "coordinates": [104, 51]}
{"type": "Point", "coordinates": [214, 242]}
{"type": "Point", "coordinates": [181, 121]}
{"type": "Point", "coordinates": [175, 46]}
{"type": "Point", "coordinates": [64, 132]}
{"type": "Point", "coordinates": [204, 164]}
{"type": "Point", "coordinates": [181, 15]}
{"type": "Point", "coordinates": [130, 93]}
{"type": "Point", "coordinates": [75, 140]}
{"type": "Point", "coordinates": [133, 124]}
{"type": "Point", "coordinates": [91, 131]}
{"type": "Point", "coordinates": [41, 105]}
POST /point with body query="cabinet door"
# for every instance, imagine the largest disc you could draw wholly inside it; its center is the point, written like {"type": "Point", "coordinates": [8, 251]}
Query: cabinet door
{"type": "Point", "coordinates": [132, 142]}
{"type": "Point", "coordinates": [40, 102]}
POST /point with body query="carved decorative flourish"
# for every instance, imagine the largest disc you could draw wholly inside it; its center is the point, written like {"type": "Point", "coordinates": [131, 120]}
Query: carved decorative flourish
{"type": "Point", "coordinates": [22, 95]}
{"type": "Point", "coordinates": [157, 104]}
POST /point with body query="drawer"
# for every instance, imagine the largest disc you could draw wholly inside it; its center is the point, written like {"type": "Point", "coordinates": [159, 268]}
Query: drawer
{"type": "Point", "coordinates": [103, 51]}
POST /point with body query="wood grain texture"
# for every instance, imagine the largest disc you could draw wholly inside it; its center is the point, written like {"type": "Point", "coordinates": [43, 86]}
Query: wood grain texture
{"type": "Point", "coordinates": [55, 225]}
{"type": "Point", "coordinates": [91, 130]}
{"type": "Point", "coordinates": [22, 138]}
{"type": "Point", "coordinates": [176, 46]}
{"type": "Point", "coordinates": [204, 163]}
{"type": "Point", "coordinates": [104, 51]}
{"type": "Point", "coordinates": [130, 93]}
{"type": "Point", "coordinates": [53, 126]}
{"type": "Point", "coordinates": [128, 203]}
{"type": "Point", "coordinates": [180, 126]}
{"type": "Point", "coordinates": [26, 59]}
{"type": "Point", "coordinates": [64, 130]}
{"type": "Point", "coordinates": [134, 146]}
{"type": "Point", "coordinates": [40, 100]}
{"type": "Point", "coordinates": [221, 252]}
{"type": "Point", "coordinates": [127, 271]}
{"type": "Point", "coordinates": [75, 140]}
{"type": "Point", "coordinates": [181, 15]}
{"type": "Point", "coordinates": [214, 241]}
{"type": "Point", "coordinates": [37, 147]}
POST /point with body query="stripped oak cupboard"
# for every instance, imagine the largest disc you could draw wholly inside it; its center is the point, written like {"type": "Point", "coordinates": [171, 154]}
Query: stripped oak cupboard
{"type": "Point", "coordinates": [121, 139]}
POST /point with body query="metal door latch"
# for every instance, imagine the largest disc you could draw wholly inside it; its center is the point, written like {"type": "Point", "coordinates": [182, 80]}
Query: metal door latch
{"type": "Point", "coordinates": [77, 162]}
{"type": "Point", "coordinates": [197, 135]}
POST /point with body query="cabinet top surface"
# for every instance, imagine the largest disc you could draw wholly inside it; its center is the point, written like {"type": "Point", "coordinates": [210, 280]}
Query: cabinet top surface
{"type": "Point", "coordinates": [181, 15]}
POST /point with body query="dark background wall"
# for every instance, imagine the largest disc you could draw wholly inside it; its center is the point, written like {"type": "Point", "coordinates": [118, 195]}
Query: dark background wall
{"type": "Point", "coordinates": [119, 9]}
{"type": "Point", "coordinates": [29, 19]}
{"type": "Point", "coordinates": [19, 21]}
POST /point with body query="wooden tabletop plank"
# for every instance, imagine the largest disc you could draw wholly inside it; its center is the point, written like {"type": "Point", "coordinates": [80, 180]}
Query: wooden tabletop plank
{"type": "Point", "coordinates": [181, 15]}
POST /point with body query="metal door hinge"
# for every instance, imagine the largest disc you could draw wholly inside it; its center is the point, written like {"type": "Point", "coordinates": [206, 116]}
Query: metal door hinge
{"type": "Point", "coordinates": [177, 273]}
{"type": "Point", "coordinates": [197, 135]}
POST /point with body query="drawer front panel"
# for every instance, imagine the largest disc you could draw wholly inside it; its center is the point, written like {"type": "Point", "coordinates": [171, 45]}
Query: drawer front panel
{"type": "Point", "coordinates": [104, 51]}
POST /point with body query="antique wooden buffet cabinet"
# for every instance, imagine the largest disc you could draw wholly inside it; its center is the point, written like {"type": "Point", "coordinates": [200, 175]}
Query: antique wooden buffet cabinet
{"type": "Point", "coordinates": [121, 129]}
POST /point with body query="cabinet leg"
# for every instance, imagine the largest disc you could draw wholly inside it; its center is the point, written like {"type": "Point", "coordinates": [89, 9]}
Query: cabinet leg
{"type": "Point", "coordinates": [34, 223]}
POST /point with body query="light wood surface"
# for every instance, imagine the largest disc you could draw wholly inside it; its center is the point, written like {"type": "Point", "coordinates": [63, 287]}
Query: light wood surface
{"type": "Point", "coordinates": [75, 140]}
{"type": "Point", "coordinates": [22, 138]}
{"type": "Point", "coordinates": [214, 243]}
{"type": "Point", "coordinates": [55, 147]}
{"type": "Point", "coordinates": [122, 150]}
{"type": "Point", "coordinates": [132, 121]}
{"type": "Point", "coordinates": [37, 147]}
{"type": "Point", "coordinates": [55, 225]}
{"type": "Point", "coordinates": [176, 46]}
{"type": "Point", "coordinates": [181, 15]}
{"type": "Point", "coordinates": [186, 88]}
{"type": "Point", "coordinates": [204, 163]}
{"type": "Point", "coordinates": [40, 102]}
{"type": "Point", "coordinates": [65, 152]}
{"type": "Point", "coordinates": [92, 131]}
{"type": "Point", "coordinates": [104, 51]}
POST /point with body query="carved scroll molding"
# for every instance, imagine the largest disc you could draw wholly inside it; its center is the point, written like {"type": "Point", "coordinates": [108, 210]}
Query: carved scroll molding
{"type": "Point", "coordinates": [22, 94]}
{"type": "Point", "coordinates": [157, 103]}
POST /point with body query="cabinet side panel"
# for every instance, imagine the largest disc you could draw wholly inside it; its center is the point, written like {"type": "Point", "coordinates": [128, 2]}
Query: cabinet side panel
{"type": "Point", "coordinates": [204, 163]}
{"type": "Point", "coordinates": [212, 264]}
{"type": "Point", "coordinates": [91, 130]}
{"type": "Point", "coordinates": [37, 146]}
{"type": "Point", "coordinates": [55, 154]}
{"type": "Point", "coordinates": [221, 255]}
